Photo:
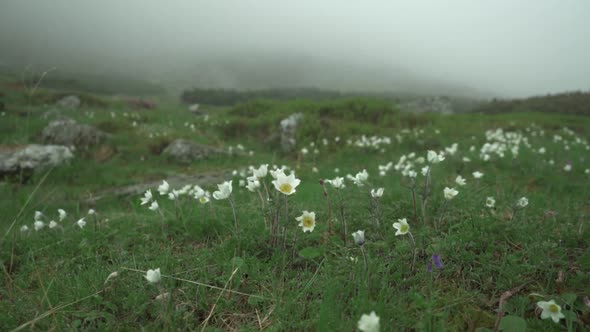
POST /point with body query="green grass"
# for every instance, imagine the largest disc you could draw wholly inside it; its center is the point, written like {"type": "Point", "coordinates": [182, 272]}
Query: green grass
{"type": "Point", "coordinates": [55, 279]}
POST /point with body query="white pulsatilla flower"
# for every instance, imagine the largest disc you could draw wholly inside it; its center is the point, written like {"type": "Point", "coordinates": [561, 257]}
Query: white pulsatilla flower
{"type": "Point", "coordinates": [550, 310]}
{"type": "Point", "coordinates": [401, 226]}
{"type": "Point", "coordinates": [223, 190]}
{"type": "Point", "coordinates": [38, 215]}
{"type": "Point", "coordinates": [369, 323]}
{"type": "Point", "coordinates": [450, 193]}
{"type": "Point", "coordinates": [466, 160]}
{"type": "Point", "coordinates": [460, 180]}
{"type": "Point", "coordinates": [359, 237]}
{"type": "Point", "coordinates": [567, 167]}
{"type": "Point", "coordinates": [164, 188]}
{"type": "Point", "coordinates": [91, 212]}
{"type": "Point", "coordinates": [253, 184]}
{"type": "Point", "coordinates": [153, 276]}
{"type": "Point", "coordinates": [360, 178]}
{"type": "Point", "coordinates": [304, 151]}
{"type": "Point", "coordinates": [522, 202]}
{"type": "Point", "coordinates": [435, 158]}
{"type": "Point", "coordinates": [173, 195]}
{"type": "Point", "coordinates": [147, 197]}
{"type": "Point", "coordinates": [198, 192]}
{"type": "Point", "coordinates": [62, 214]}
{"type": "Point", "coordinates": [490, 202]}
{"type": "Point", "coordinates": [205, 198]}
{"type": "Point", "coordinates": [286, 184]}
{"type": "Point", "coordinates": [52, 224]}
{"type": "Point", "coordinates": [477, 174]}
{"type": "Point", "coordinates": [275, 173]}
{"type": "Point", "coordinates": [307, 221]}
{"type": "Point", "coordinates": [337, 182]}
{"type": "Point", "coordinates": [425, 170]}
{"type": "Point", "coordinates": [261, 171]}
{"type": "Point", "coordinates": [154, 206]}
{"type": "Point", "coordinates": [24, 228]}
{"type": "Point", "coordinates": [81, 223]}
{"type": "Point", "coordinates": [39, 225]}
{"type": "Point", "coordinates": [377, 193]}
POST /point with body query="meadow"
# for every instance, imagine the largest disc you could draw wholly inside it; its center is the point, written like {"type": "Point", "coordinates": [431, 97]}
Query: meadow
{"type": "Point", "coordinates": [470, 222]}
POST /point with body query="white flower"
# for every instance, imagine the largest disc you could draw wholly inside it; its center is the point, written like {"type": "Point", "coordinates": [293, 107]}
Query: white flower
{"type": "Point", "coordinates": [81, 223]}
{"type": "Point", "coordinates": [147, 197]}
{"type": "Point", "coordinates": [550, 310]}
{"type": "Point", "coordinates": [52, 224]}
{"type": "Point", "coordinates": [450, 193]}
{"type": "Point", "coordinates": [164, 188]}
{"type": "Point", "coordinates": [567, 167]}
{"type": "Point", "coordinates": [315, 170]}
{"type": "Point", "coordinates": [223, 190]}
{"type": "Point", "coordinates": [276, 172]}
{"type": "Point", "coordinates": [153, 276]}
{"type": "Point", "coordinates": [39, 225]}
{"type": "Point", "coordinates": [490, 202]}
{"type": "Point", "coordinates": [38, 215]}
{"type": "Point", "coordinates": [477, 174]}
{"type": "Point", "coordinates": [24, 228]}
{"type": "Point", "coordinates": [401, 226]}
{"type": "Point", "coordinates": [62, 214]}
{"type": "Point", "coordinates": [460, 180]}
{"type": "Point", "coordinates": [360, 178]}
{"type": "Point", "coordinates": [198, 192]}
{"type": "Point", "coordinates": [304, 151]}
{"type": "Point", "coordinates": [522, 202]}
{"type": "Point", "coordinates": [369, 323]}
{"type": "Point", "coordinates": [542, 150]}
{"type": "Point", "coordinates": [307, 221]}
{"type": "Point", "coordinates": [337, 182]}
{"type": "Point", "coordinates": [466, 160]}
{"type": "Point", "coordinates": [91, 212]}
{"type": "Point", "coordinates": [434, 158]}
{"type": "Point", "coordinates": [261, 172]}
{"type": "Point", "coordinates": [253, 184]}
{"type": "Point", "coordinates": [205, 198]}
{"type": "Point", "coordinates": [154, 206]}
{"type": "Point", "coordinates": [425, 170]}
{"type": "Point", "coordinates": [173, 195]}
{"type": "Point", "coordinates": [359, 237]}
{"type": "Point", "coordinates": [377, 193]}
{"type": "Point", "coordinates": [286, 184]}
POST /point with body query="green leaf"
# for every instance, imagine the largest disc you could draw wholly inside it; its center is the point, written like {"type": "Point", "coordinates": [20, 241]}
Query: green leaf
{"type": "Point", "coordinates": [569, 298]}
{"type": "Point", "coordinates": [513, 324]}
{"type": "Point", "coordinates": [310, 253]}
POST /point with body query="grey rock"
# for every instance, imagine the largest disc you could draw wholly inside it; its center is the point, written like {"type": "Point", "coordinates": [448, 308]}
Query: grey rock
{"type": "Point", "coordinates": [70, 133]}
{"type": "Point", "coordinates": [289, 132]}
{"type": "Point", "coordinates": [69, 102]}
{"type": "Point", "coordinates": [186, 151]}
{"type": "Point", "coordinates": [34, 157]}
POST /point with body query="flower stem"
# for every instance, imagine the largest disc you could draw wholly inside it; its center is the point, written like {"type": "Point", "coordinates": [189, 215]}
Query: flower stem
{"type": "Point", "coordinates": [233, 208]}
{"type": "Point", "coordinates": [414, 252]}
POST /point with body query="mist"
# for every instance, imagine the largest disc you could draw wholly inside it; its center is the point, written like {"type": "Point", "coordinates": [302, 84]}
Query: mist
{"type": "Point", "coordinates": [460, 47]}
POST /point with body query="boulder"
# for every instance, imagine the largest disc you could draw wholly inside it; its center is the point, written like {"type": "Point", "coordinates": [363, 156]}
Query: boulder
{"type": "Point", "coordinates": [289, 132]}
{"type": "Point", "coordinates": [70, 133]}
{"type": "Point", "coordinates": [69, 102]}
{"type": "Point", "coordinates": [33, 157]}
{"type": "Point", "coordinates": [186, 151]}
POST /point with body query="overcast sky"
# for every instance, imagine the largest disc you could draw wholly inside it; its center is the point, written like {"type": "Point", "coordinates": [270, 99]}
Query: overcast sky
{"type": "Point", "coordinates": [507, 47]}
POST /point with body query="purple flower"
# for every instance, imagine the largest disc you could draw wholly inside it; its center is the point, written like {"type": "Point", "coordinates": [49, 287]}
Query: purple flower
{"type": "Point", "coordinates": [437, 263]}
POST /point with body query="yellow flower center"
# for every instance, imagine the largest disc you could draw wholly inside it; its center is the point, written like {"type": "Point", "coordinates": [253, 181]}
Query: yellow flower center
{"type": "Point", "coordinates": [203, 200]}
{"type": "Point", "coordinates": [307, 222]}
{"type": "Point", "coordinates": [553, 308]}
{"type": "Point", "coordinates": [285, 188]}
{"type": "Point", "coordinates": [404, 228]}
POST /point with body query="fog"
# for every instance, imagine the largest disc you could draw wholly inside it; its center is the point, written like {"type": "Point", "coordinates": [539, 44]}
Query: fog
{"type": "Point", "coordinates": [485, 48]}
